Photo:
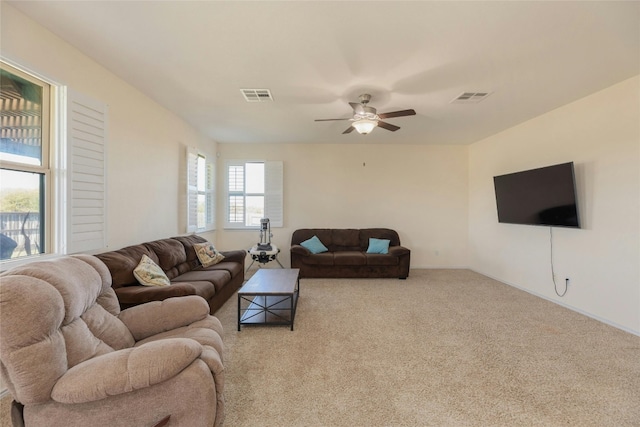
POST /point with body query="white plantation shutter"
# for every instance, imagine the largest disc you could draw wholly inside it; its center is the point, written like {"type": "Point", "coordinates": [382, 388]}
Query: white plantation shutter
{"type": "Point", "coordinates": [236, 193]}
{"type": "Point", "coordinates": [210, 198]}
{"type": "Point", "coordinates": [273, 200]}
{"type": "Point", "coordinates": [200, 201]}
{"type": "Point", "coordinates": [192, 190]}
{"type": "Point", "coordinates": [86, 173]}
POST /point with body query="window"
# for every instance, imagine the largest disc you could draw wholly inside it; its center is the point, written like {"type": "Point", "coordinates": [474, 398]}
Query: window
{"type": "Point", "coordinates": [201, 194]}
{"type": "Point", "coordinates": [25, 175]}
{"type": "Point", "coordinates": [52, 169]}
{"type": "Point", "coordinates": [253, 191]}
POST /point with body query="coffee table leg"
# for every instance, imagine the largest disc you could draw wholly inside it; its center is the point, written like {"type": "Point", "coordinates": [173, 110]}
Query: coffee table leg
{"type": "Point", "coordinates": [294, 304]}
{"type": "Point", "coordinates": [238, 313]}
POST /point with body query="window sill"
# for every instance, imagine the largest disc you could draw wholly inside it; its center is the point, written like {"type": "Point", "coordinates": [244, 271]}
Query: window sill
{"type": "Point", "coordinates": [11, 263]}
{"type": "Point", "coordinates": [232, 228]}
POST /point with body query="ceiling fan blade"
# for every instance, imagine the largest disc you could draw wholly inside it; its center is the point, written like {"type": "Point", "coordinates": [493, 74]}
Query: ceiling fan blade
{"type": "Point", "coordinates": [387, 126]}
{"type": "Point", "coordinates": [357, 108]}
{"type": "Point", "coordinates": [397, 114]}
{"type": "Point", "coordinates": [329, 120]}
{"type": "Point", "coordinates": [349, 130]}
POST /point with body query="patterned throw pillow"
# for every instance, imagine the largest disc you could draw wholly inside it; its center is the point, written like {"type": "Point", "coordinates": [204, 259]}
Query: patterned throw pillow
{"type": "Point", "coordinates": [148, 273]}
{"type": "Point", "coordinates": [207, 254]}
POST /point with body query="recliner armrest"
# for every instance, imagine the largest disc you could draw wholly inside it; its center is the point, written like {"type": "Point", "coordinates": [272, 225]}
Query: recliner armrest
{"type": "Point", "coordinates": [125, 370]}
{"type": "Point", "coordinates": [156, 317]}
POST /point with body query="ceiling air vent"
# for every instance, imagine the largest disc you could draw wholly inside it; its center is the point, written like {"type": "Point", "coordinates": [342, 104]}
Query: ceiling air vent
{"type": "Point", "coordinates": [256, 95]}
{"type": "Point", "coordinates": [470, 97]}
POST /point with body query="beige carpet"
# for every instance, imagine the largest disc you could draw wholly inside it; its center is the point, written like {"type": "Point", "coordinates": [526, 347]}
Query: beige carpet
{"type": "Point", "coordinates": [443, 348]}
{"type": "Point", "coordinates": [5, 408]}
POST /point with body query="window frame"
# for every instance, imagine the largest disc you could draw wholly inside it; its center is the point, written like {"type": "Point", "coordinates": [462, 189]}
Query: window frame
{"type": "Point", "coordinates": [193, 192]}
{"type": "Point", "coordinates": [62, 236]}
{"type": "Point", "coordinates": [272, 194]}
{"type": "Point", "coordinates": [47, 232]}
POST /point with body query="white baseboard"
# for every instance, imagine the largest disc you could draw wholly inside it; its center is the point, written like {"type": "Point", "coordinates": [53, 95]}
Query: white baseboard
{"type": "Point", "coordinates": [440, 267]}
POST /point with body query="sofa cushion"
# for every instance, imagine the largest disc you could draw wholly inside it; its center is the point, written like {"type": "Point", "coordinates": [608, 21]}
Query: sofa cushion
{"type": "Point", "coordinates": [314, 245]}
{"type": "Point", "coordinates": [218, 278]}
{"type": "Point", "coordinates": [132, 295]}
{"type": "Point", "coordinates": [170, 254]}
{"type": "Point", "coordinates": [381, 259]}
{"type": "Point", "coordinates": [188, 242]}
{"type": "Point", "coordinates": [207, 254]}
{"type": "Point", "coordinates": [202, 288]}
{"type": "Point", "coordinates": [319, 259]}
{"type": "Point", "coordinates": [378, 246]}
{"type": "Point", "coordinates": [122, 262]}
{"type": "Point", "coordinates": [234, 268]}
{"type": "Point", "coordinates": [300, 235]}
{"type": "Point", "coordinates": [345, 239]}
{"type": "Point", "coordinates": [349, 258]}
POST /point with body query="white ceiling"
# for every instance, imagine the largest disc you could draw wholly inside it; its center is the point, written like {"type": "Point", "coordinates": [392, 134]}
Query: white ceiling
{"type": "Point", "coordinates": [316, 56]}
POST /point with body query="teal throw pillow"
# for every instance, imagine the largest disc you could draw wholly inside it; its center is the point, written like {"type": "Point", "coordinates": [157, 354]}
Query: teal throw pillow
{"type": "Point", "coordinates": [314, 245]}
{"type": "Point", "coordinates": [378, 246]}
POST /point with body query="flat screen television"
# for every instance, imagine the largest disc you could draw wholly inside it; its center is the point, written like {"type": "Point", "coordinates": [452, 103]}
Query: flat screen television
{"type": "Point", "coordinates": [544, 196]}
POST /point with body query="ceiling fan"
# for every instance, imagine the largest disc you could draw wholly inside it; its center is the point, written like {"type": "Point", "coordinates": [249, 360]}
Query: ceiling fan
{"type": "Point", "coordinates": [365, 118]}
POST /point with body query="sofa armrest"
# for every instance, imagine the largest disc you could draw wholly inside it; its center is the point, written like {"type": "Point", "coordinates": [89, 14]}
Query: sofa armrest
{"type": "Point", "coordinates": [125, 370]}
{"type": "Point", "coordinates": [300, 250]}
{"type": "Point", "coordinates": [404, 260]}
{"type": "Point", "coordinates": [156, 317]}
{"type": "Point", "coordinates": [398, 250]}
{"type": "Point", "coordinates": [235, 256]}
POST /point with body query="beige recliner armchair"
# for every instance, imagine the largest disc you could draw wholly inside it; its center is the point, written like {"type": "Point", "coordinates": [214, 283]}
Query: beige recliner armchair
{"type": "Point", "coordinates": [72, 358]}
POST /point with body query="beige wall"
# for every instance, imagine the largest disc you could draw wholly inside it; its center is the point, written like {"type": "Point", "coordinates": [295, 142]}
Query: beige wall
{"type": "Point", "coordinates": [146, 143]}
{"type": "Point", "coordinates": [601, 135]}
{"type": "Point", "coordinates": [420, 191]}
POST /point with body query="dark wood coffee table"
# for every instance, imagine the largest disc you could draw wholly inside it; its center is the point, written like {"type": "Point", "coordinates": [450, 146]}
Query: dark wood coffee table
{"type": "Point", "coordinates": [270, 297]}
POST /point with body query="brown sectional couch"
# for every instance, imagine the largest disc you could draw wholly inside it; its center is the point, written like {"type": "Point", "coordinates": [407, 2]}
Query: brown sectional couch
{"type": "Point", "coordinates": [177, 258]}
{"type": "Point", "coordinates": [347, 255]}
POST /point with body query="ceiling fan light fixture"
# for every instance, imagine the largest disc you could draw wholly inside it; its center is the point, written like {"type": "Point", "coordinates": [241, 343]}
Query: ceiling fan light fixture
{"type": "Point", "coordinates": [364, 126]}
{"type": "Point", "coordinates": [366, 118]}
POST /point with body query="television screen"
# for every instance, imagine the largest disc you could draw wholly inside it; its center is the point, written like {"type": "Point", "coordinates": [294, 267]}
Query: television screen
{"type": "Point", "coordinates": [544, 196]}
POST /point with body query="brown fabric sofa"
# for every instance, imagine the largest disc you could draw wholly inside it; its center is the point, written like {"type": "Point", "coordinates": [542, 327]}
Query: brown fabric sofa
{"type": "Point", "coordinates": [347, 255]}
{"type": "Point", "coordinates": [177, 258]}
{"type": "Point", "coordinates": [72, 358]}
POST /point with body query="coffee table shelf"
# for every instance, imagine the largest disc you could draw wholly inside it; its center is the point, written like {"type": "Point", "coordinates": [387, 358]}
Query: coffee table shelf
{"type": "Point", "coordinates": [270, 297]}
